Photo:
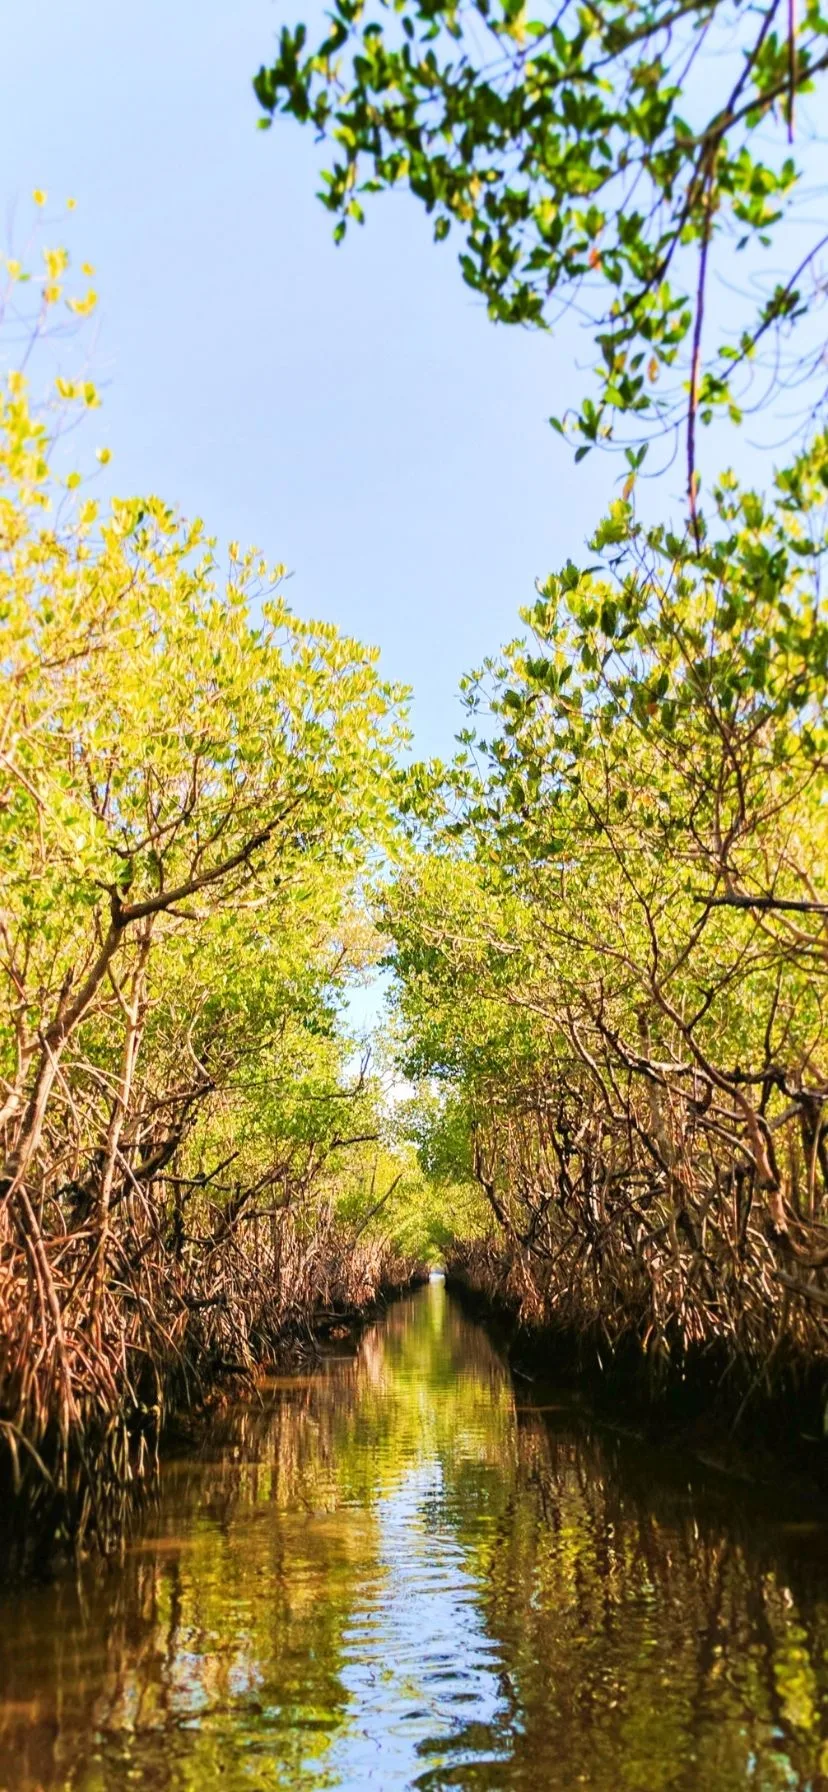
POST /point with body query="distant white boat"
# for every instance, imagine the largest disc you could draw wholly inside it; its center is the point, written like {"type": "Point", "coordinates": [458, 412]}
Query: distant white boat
{"type": "Point", "coordinates": [437, 1275]}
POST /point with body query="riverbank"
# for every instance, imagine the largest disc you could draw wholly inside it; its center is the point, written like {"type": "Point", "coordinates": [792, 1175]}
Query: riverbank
{"type": "Point", "coordinates": [65, 1497]}
{"type": "Point", "coordinates": [751, 1421]}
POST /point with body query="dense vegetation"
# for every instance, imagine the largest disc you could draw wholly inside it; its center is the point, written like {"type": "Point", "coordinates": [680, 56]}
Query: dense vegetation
{"type": "Point", "coordinates": [607, 917]}
{"type": "Point", "coordinates": [193, 784]}
{"type": "Point", "coordinates": [611, 953]}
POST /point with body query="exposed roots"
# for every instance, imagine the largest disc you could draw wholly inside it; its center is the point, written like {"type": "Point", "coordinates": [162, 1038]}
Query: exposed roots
{"type": "Point", "coordinates": [84, 1393]}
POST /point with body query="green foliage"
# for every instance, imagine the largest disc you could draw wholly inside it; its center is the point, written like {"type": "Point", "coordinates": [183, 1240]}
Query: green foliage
{"type": "Point", "coordinates": [605, 159]}
{"type": "Point", "coordinates": [194, 785]}
{"type": "Point", "coordinates": [614, 955]}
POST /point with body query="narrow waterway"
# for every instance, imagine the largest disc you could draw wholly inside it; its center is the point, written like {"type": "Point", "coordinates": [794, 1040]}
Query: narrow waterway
{"type": "Point", "coordinates": [406, 1570]}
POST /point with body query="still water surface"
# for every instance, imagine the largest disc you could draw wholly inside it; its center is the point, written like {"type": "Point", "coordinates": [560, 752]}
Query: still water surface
{"type": "Point", "coordinates": [408, 1571]}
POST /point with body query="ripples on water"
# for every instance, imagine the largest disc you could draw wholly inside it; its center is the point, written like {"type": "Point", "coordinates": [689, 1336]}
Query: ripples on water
{"type": "Point", "coordinates": [395, 1574]}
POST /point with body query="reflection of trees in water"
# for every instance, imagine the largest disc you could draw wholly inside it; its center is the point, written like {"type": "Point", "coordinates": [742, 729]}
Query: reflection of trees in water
{"type": "Point", "coordinates": [649, 1635]}
{"type": "Point", "coordinates": [230, 1612]}
{"type": "Point", "coordinates": [653, 1637]}
{"type": "Point", "coordinates": [239, 1644]}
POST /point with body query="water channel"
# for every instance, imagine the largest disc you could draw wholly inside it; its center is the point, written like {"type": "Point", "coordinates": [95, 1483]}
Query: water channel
{"type": "Point", "coordinates": [407, 1570]}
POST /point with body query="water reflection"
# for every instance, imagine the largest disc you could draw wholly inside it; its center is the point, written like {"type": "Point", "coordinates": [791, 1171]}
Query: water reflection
{"type": "Point", "coordinates": [394, 1574]}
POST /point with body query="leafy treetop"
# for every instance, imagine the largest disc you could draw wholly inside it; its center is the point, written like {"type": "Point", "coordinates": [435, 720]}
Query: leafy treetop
{"type": "Point", "coordinates": [604, 158]}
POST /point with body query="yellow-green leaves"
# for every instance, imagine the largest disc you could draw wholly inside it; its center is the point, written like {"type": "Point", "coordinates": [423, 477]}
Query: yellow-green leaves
{"type": "Point", "coordinates": [614, 957]}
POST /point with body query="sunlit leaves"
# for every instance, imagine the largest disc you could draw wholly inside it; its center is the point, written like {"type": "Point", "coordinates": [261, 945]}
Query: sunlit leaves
{"type": "Point", "coordinates": [588, 158]}
{"type": "Point", "coordinates": [626, 892]}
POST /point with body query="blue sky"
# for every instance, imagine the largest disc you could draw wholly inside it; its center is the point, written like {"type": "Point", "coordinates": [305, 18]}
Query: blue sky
{"type": "Point", "coordinates": [350, 411]}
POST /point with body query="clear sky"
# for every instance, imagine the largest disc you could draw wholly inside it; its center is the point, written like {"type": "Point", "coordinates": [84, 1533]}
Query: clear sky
{"type": "Point", "coordinates": [351, 411]}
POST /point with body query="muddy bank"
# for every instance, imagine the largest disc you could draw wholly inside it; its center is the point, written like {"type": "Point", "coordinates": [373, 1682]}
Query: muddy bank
{"type": "Point", "coordinates": [760, 1423]}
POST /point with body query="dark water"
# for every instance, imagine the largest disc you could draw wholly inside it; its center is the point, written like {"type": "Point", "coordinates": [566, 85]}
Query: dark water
{"type": "Point", "coordinates": [400, 1572]}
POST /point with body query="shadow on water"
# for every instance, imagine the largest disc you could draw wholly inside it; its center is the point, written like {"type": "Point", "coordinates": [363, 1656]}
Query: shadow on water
{"type": "Point", "coordinates": [397, 1573]}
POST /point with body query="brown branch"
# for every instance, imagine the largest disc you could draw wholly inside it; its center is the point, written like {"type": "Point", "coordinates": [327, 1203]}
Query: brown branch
{"type": "Point", "coordinates": [767, 903]}
{"type": "Point", "coordinates": [695, 363]}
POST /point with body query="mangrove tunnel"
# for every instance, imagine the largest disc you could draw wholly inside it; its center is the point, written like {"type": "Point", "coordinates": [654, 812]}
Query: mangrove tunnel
{"type": "Point", "coordinates": [414, 1051]}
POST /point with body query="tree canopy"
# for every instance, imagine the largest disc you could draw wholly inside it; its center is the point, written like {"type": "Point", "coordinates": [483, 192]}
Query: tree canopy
{"type": "Point", "coordinates": [607, 160]}
{"type": "Point", "coordinates": [610, 953]}
{"type": "Point", "coordinates": [194, 788]}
